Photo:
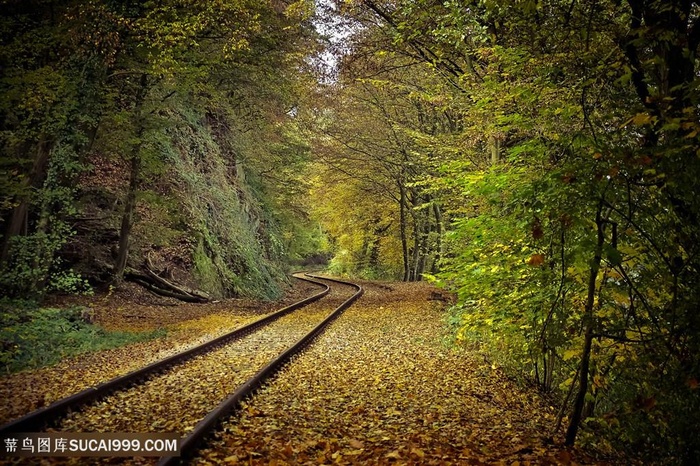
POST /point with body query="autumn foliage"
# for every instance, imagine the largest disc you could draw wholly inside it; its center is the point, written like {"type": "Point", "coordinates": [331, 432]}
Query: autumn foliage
{"type": "Point", "coordinates": [559, 141]}
{"type": "Point", "coordinates": [539, 160]}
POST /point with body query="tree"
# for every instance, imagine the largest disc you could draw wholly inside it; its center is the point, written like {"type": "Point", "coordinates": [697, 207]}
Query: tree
{"type": "Point", "coordinates": [566, 169]}
{"type": "Point", "coordinates": [117, 81]}
{"type": "Point", "coordinates": [48, 118]}
{"type": "Point", "coordinates": [365, 136]}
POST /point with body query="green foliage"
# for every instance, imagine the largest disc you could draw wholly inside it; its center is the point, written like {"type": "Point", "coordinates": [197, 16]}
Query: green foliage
{"type": "Point", "coordinates": [382, 224]}
{"type": "Point", "coordinates": [68, 281]}
{"type": "Point", "coordinates": [562, 144]}
{"type": "Point", "coordinates": [207, 272]}
{"type": "Point", "coordinates": [124, 86]}
{"type": "Point", "coordinates": [32, 261]}
{"type": "Point", "coordinates": [23, 274]}
{"type": "Point", "coordinates": [363, 229]}
{"type": "Point", "coordinates": [33, 337]}
{"type": "Point", "coordinates": [221, 213]}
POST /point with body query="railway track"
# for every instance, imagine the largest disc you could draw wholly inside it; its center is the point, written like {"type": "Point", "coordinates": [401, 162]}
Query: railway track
{"type": "Point", "coordinates": [191, 391]}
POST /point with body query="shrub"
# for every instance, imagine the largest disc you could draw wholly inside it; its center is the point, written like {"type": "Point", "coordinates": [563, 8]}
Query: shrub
{"type": "Point", "coordinates": [32, 337]}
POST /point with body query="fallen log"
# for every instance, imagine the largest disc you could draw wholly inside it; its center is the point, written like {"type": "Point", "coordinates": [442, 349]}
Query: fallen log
{"type": "Point", "coordinates": [158, 285]}
{"type": "Point", "coordinates": [167, 284]}
{"type": "Point", "coordinates": [151, 284]}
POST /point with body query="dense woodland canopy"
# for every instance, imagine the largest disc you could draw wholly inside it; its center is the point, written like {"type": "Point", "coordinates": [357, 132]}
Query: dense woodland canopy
{"type": "Point", "coordinates": [151, 130]}
{"type": "Point", "coordinates": [538, 158]}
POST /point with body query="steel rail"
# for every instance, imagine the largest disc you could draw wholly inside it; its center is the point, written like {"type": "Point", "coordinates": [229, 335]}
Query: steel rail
{"type": "Point", "coordinates": [189, 443]}
{"type": "Point", "coordinates": [41, 418]}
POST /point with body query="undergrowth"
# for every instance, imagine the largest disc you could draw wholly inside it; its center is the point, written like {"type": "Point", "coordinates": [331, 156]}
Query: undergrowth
{"type": "Point", "coordinates": [33, 337]}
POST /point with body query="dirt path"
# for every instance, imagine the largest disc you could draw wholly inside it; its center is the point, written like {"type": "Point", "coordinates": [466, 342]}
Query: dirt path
{"type": "Point", "coordinates": [381, 387]}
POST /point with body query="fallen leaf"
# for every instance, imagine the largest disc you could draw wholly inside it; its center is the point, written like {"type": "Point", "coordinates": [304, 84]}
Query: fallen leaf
{"type": "Point", "coordinates": [564, 457]}
{"type": "Point", "coordinates": [354, 443]}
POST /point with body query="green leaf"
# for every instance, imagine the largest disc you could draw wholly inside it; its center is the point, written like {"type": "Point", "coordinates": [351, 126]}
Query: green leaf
{"type": "Point", "coordinates": [613, 256]}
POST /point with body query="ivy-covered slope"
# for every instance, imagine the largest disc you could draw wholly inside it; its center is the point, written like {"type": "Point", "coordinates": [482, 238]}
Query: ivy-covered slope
{"type": "Point", "coordinates": [147, 138]}
{"type": "Point", "coordinates": [197, 217]}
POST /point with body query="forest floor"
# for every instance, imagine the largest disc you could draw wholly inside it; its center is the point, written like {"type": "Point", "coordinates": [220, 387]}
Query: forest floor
{"type": "Point", "coordinates": [381, 386]}
{"type": "Point", "coordinates": [131, 308]}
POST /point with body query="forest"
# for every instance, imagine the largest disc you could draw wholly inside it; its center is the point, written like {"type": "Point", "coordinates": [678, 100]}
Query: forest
{"type": "Point", "coordinates": [537, 159]}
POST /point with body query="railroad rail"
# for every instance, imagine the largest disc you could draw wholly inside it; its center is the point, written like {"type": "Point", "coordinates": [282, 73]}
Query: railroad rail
{"type": "Point", "coordinates": [190, 442]}
{"type": "Point", "coordinates": [46, 416]}
{"type": "Point", "coordinates": [50, 415]}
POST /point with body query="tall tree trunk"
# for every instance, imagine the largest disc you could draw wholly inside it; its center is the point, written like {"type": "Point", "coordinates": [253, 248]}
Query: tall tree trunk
{"type": "Point", "coordinates": [439, 230]}
{"type": "Point", "coordinates": [402, 231]}
{"type": "Point", "coordinates": [495, 149]}
{"type": "Point", "coordinates": [579, 402]}
{"type": "Point", "coordinates": [417, 233]}
{"type": "Point", "coordinates": [19, 220]}
{"type": "Point", "coordinates": [128, 216]}
{"type": "Point", "coordinates": [134, 174]}
{"type": "Point", "coordinates": [424, 249]}
{"type": "Point", "coordinates": [377, 234]}
{"type": "Point", "coordinates": [373, 259]}
{"type": "Point", "coordinates": [43, 255]}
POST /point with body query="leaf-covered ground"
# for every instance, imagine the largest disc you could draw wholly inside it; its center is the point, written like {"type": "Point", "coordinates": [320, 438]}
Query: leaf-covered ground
{"type": "Point", "coordinates": [177, 399]}
{"type": "Point", "coordinates": [130, 309]}
{"type": "Point", "coordinates": [381, 387]}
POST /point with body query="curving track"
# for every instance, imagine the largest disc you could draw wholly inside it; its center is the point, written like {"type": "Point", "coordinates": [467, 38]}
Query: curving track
{"type": "Point", "coordinates": [191, 391]}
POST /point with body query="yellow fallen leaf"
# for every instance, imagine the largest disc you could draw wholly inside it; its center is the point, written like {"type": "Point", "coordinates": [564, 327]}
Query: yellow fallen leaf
{"type": "Point", "coordinates": [356, 443]}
